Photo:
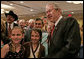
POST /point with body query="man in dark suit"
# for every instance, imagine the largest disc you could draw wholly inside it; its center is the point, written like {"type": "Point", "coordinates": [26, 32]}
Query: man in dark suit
{"type": "Point", "coordinates": [27, 34]}
{"type": "Point", "coordinates": [11, 17]}
{"type": "Point", "coordinates": [65, 36]}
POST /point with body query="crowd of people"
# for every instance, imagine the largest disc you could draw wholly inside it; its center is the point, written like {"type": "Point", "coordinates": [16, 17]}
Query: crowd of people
{"type": "Point", "coordinates": [53, 36]}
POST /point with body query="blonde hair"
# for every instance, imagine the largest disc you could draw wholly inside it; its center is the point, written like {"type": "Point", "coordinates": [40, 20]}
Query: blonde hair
{"type": "Point", "coordinates": [17, 27]}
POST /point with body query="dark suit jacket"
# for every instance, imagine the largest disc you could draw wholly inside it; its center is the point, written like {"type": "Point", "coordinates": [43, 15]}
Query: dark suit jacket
{"type": "Point", "coordinates": [27, 35]}
{"type": "Point", "coordinates": [7, 27]}
{"type": "Point", "coordinates": [6, 40]}
{"type": "Point", "coordinates": [27, 50]}
{"type": "Point", "coordinates": [65, 42]}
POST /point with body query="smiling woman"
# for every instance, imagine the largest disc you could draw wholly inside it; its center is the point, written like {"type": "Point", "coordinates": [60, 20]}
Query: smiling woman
{"type": "Point", "coordinates": [14, 49]}
{"type": "Point", "coordinates": [35, 49]}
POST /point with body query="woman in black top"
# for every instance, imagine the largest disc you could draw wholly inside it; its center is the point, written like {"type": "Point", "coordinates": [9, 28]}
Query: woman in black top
{"type": "Point", "coordinates": [14, 49]}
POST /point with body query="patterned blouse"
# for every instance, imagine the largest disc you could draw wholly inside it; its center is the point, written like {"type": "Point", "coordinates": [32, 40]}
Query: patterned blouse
{"type": "Point", "coordinates": [11, 54]}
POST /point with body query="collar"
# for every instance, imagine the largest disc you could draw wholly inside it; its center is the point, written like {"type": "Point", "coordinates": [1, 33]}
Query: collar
{"type": "Point", "coordinates": [58, 20]}
{"type": "Point", "coordinates": [11, 25]}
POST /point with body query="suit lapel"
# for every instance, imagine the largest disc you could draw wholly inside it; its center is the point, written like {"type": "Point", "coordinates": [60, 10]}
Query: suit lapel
{"type": "Point", "coordinates": [6, 28]}
{"type": "Point", "coordinates": [56, 28]}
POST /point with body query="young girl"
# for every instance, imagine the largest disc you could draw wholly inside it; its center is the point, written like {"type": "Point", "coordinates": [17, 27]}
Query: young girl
{"type": "Point", "coordinates": [14, 49]}
{"type": "Point", "coordinates": [33, 48]}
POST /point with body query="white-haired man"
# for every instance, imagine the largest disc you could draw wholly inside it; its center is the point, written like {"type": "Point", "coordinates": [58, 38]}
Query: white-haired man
{"type": "Point", "coordinates": [65, 36]}
{"type": "Point", "coordinates": [28, 30]}
{"type": "Point", "coordinates": [31, 24]}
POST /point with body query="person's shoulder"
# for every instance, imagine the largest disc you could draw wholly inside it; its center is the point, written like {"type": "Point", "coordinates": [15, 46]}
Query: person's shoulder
{"type": "Point", "coordinates": [15, 24]}
{"type": "Point", "coordinates": [71, 19]}
{"type": "Point", "coordinates": [26, 44]}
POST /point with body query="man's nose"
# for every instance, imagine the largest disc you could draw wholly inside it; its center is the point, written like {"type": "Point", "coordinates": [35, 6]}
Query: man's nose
{"type": "Point", "coordinates": [48, 13]}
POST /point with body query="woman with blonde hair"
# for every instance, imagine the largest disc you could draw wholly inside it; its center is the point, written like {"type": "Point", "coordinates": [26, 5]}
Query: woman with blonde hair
{"type": "Point", "coordinates": [14, 49]}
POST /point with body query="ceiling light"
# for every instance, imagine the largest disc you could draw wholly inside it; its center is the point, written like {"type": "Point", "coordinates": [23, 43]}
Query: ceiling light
{"type": "Point", "coordinates": [11, 4]}
{"type": "Point", "coordinates": [6, 6]}
{"type": "Point", "coordinates": [72, 12]}
{"type": "Point", "coordinates": [21, 2]}
{"type": "Point", "coordinates": [31, 10]}
{"type": "Point", "coordinates": [75, 2]}
{"type": "Point", "coordinates": [69, 1]}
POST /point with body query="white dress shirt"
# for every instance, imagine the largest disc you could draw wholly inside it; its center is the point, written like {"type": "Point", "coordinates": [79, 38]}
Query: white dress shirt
{"type": "Point", "coordinates": [58, 20]}
{"type": "Point", "coordinates": [11, 25]}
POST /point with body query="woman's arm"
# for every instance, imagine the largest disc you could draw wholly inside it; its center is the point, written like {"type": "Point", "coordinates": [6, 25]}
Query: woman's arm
{"type": "Point", "coordinates": [4, 50]}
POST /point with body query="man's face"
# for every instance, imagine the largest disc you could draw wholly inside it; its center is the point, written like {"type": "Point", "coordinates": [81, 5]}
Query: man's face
{"type": "Point", "coordinates": [10, 19]}
{"type": "Point", "coordinates": [22, 24]}
{"type": "Point", "coordinates": [31, 24]}
{"type": "Point", "coordinates": [51, 13]}
{"type": "Point", "coordinates": [38, 24]}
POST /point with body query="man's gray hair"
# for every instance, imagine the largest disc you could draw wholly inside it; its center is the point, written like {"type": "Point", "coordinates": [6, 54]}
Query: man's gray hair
{"type": "Point", "coordinates": [31, 20]}
{"type": "Point", "coordinates": [54, 5]}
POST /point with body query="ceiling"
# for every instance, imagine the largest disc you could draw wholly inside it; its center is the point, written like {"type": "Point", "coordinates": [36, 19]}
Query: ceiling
{"type": "Point", "coordinates": [23, 9]}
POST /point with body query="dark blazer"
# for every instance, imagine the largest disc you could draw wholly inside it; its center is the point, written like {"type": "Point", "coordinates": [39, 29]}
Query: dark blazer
{"type": "Point", "coordinates": [27, 50]}
{"type": "Point", "coordinates": [7, 27]}
{"type": "Point", "coordinates": [27, 35]}
{"type": "Point", "coordinates": [66, 40]}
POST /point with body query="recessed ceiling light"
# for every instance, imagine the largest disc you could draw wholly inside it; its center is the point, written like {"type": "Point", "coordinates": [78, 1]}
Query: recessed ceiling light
{"type": "Point", "coordinates": [72, 12]}
{"type": "Point", "coordinates": [69, 1]}
{"type": "Point", "coordinates": [6, 6]}
{"type": "Point", "coordinates": [21, 2]}
{"type": "Point", "coordinates": [31, 10]}
{"type": "Point", "coordinates": [11, 4]}
{"type": "Point", "coordinates": [75, 2]}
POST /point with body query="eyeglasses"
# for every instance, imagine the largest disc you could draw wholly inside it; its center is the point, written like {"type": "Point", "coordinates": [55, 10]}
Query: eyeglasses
{"type": "Point", "coordinates": [49, 10]}
{"type": "Point", "coordinates": [37, 23]}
